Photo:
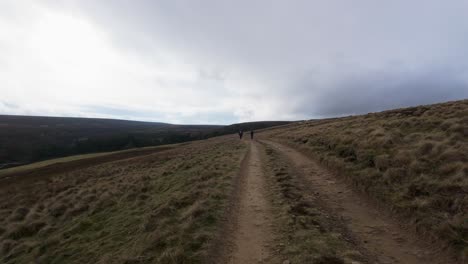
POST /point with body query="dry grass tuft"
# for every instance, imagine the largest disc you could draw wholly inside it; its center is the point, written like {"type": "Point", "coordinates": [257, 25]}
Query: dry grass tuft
{"type": "Point", "coordinates": [19, 214]}
{"type": "Point", "coordinates": [25, 230]}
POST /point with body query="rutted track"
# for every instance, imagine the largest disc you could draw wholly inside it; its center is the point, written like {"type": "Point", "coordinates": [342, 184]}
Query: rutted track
{"type": "Point", "coordinates": [381, 236]}
{"type": "Point", "coordinates": [252, 238]}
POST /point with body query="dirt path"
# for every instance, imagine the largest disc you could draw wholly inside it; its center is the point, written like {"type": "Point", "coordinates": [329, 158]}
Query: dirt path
{"type": "Point", "coordinates": [252, 236]}
{"type": "Point", "coordinates": [381, 236]}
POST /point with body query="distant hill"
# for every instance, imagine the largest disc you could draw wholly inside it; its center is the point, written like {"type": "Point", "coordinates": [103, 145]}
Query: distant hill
{"type": "Point", "coordinates": [26, 139]}
{"type": "Point", "coordinates": [248, 126]}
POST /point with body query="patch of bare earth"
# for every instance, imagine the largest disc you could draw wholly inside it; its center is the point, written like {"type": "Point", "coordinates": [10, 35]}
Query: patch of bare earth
{"type": "Point", "coordinates": [378, 234]}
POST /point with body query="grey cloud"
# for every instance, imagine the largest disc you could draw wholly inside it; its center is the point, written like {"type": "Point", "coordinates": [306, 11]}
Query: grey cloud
{"type": "Point", "coordinates": [118, 112]}
{"type": "Point", "coordinates": [377, 91]}
{"type": "Point", "coordinates": [212, 74]}
{"type": "Point", "coordinates": [182, 118]}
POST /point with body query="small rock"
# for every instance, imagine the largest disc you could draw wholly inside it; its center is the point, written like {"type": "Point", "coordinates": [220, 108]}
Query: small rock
{"type": "Point", "coordinates": [287, 262]}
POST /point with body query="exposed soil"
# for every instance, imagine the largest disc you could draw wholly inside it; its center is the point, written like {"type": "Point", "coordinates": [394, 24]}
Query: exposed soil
{"type": "Point", "coordinates": [252, 237]}
{"type": "Point", "coordinates": [380, 235]}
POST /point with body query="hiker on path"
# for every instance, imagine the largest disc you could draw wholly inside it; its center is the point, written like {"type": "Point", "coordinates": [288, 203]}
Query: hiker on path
{"type": "Point", "coordinates": [251, 134]}
{"type": "Point", "coordinates": [241, 133]}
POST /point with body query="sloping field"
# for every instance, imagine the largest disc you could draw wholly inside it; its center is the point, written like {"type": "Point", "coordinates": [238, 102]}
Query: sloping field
{"type": "Point", "coordinates": [161, 208]}
{"type": "Point", "coordinates": [413, 160]}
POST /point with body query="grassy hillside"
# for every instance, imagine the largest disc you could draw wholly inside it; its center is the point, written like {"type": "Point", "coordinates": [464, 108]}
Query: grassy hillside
{"type": "Point", "coordinates": [161, 208]}
{"type": "Point", "coordinates": [26, 139]}
{"type": "Point", "coordinates": [414, 160]}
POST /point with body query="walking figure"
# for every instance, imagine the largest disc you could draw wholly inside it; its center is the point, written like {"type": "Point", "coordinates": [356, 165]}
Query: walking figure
{"type": "Point", "coordinates": [241, 133]}
{"type": "Point", "coordinates": [251, 134]}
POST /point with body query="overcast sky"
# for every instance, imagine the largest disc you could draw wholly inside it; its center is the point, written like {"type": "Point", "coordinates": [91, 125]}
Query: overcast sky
{"type": "Point", "coordinates": [221, 62]}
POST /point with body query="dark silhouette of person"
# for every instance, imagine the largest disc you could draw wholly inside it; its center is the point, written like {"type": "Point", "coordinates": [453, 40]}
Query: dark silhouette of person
{"type": "Point", "coordinates": [251, 134]}
{"type": "Point", "coordinates": [241, 133]}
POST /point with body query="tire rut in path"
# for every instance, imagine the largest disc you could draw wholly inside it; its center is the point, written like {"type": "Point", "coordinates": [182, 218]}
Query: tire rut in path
{"type": "Point", "coordinates": [381, 236]}
{"type": "Point", "coordinates": [252, 235]}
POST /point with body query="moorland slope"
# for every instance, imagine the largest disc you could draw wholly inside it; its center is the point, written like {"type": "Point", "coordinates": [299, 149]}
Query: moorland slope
{"type": "Point", "coordinates": [413, 160]}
